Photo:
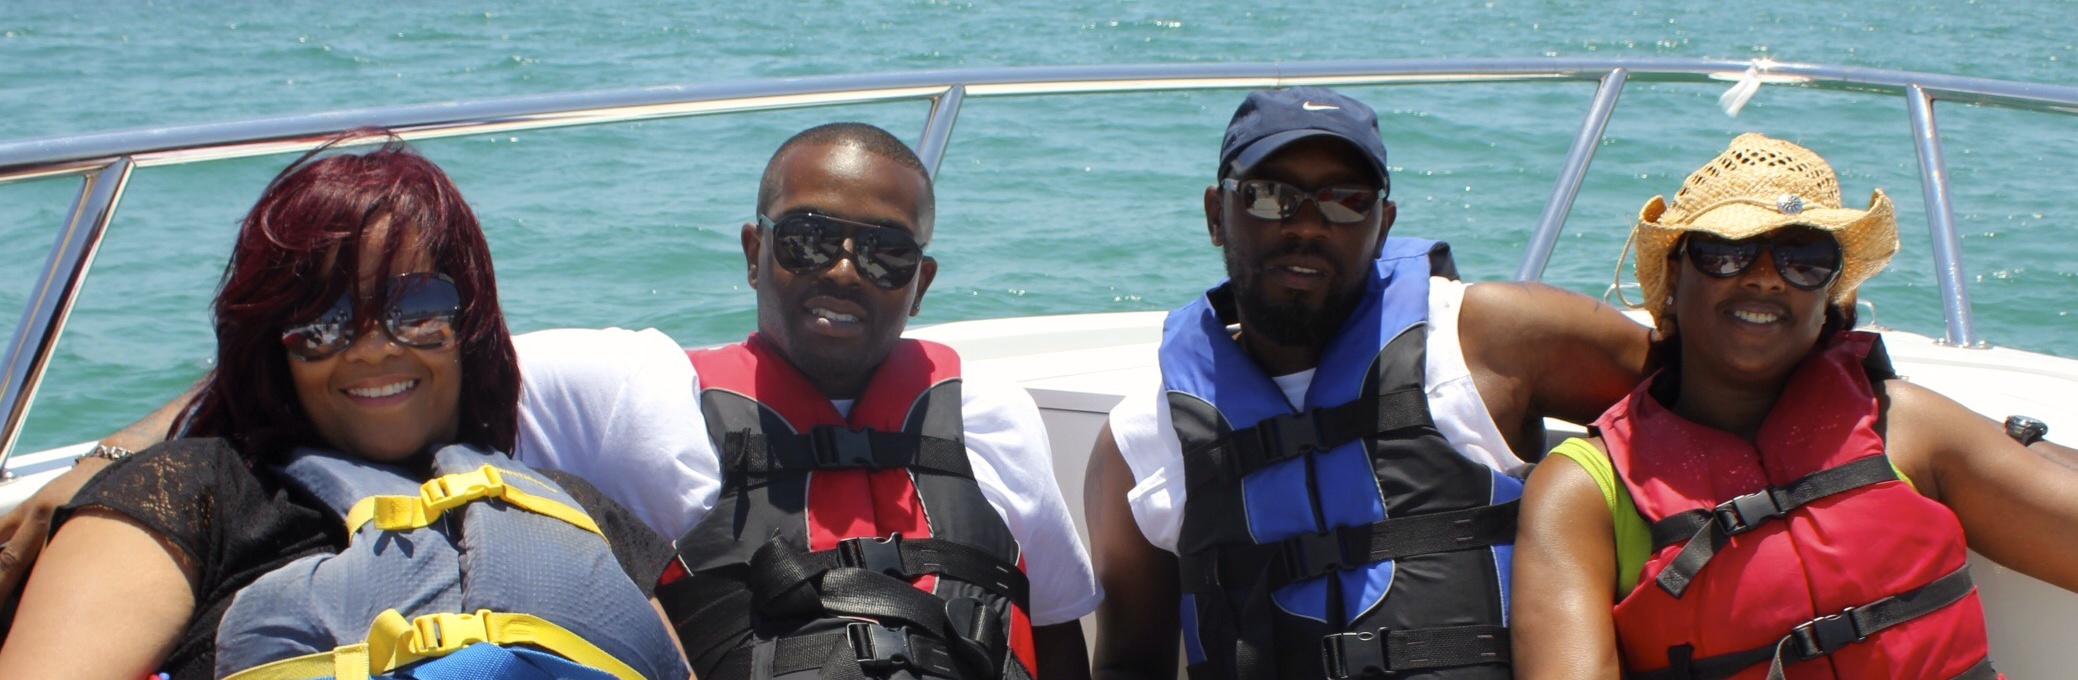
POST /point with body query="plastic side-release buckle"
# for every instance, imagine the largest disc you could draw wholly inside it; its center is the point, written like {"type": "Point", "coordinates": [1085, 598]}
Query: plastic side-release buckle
{"type": "Point", "coordinates": [1743, 513]}
{"type": "Point", "coordinates": [841, 447]}
{"type": "Point", "coordinates": [1286, 435]}
{"type": "Point", "coordinates": [878, 647]}
{"type": "Point", "coordinates": [442, 634]}
{"type": "Point", "coordinates": [1826, 634]}
{"type": "Point", "coordinates": [1309, 555]}
{"type": "Point", "coordinates": [447, 492]}
{"type": "Point", "coordinates": [873, 554]}
{"type": "Point", "coordinates": [1348, 656]}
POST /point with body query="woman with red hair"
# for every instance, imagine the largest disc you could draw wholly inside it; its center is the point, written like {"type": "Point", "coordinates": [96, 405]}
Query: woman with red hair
{"type": "Point", "coordinates": [341, 506]}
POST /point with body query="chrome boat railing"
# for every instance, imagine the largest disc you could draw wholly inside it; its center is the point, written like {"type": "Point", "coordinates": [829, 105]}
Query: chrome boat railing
{"type": "Point", "coordinates": [104, 160]}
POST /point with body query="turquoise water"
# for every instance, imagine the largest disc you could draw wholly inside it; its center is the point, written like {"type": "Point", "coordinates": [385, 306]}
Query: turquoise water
{"type": "Point", "coordinates": [1046, 205]}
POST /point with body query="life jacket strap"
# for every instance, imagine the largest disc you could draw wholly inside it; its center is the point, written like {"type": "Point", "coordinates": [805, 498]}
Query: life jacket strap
{"type": "Point", "coordinates": [832, 447]}
{"type": "Point", "coordinates": [394, 642]}
{"type": "Point", "coordinates": [1238, 453]}
{"type": "Point", "coordinates": [861, 648]}
{"type": "Point", "coordinates": [447, 492]}
{"type": "Point", "coordinates": [1706, 531]}
{"type": "Point", "coordinates": [1826, 634]}
{"type": "Point", "coordinates": [1349, 656]}
{"type": "Point", "coordinates": [1308, 555]}
{"type": "Point", "coordinates": [908, 558]}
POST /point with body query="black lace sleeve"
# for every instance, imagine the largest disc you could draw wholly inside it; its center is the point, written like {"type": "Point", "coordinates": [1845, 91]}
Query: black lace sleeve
{"type": "Point", "coordinates": [642, 553]}
{"type": "Point", "coordinates": [232, 525]}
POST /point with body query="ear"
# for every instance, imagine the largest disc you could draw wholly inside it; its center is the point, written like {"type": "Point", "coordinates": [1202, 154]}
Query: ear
{"type": "Point", "coordinates": [1387, 212]}
{"type": "Point", "coordinates": [751, 246]}
{"type": "Point", "coordinates": [1213, 208]}
{"type": "Point", "coordinates": [924, 274]}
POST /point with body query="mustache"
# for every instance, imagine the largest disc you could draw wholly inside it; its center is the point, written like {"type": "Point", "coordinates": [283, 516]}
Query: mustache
{"type": "Point", "coordinates": [1307, 248]}
{"type": "Point", "coordinates": [830, 290]}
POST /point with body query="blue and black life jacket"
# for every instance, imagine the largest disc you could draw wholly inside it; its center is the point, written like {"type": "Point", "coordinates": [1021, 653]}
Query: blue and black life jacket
{"type": "Point", "coordinates": [845, 546]}
{"type": "Point", "coordinates": [488, 570]}
{"type": "Point", "coordinates": [1347, 538]}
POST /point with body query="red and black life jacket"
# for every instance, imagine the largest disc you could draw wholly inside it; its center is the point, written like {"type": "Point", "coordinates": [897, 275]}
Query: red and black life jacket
{"type": "Point", "coordinates": [845, 547]}
{"type": "Point", "coordinates": [1801, 554]}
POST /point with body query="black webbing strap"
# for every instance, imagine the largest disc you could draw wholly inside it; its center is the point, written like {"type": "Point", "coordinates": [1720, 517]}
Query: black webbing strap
{"type": "Point", "coordinates": [711, 615]}
{"type": "Point", "coordinates": [1348, 656]}
{"type": "Point", "coordinates": [1309, 555]}
{"type": "Point", "coordinates": [908, 558]}
{"type": "Point", "coordinates": [830, 447]}
{"type": "Point", "coordinates": [1707, 530]}
{"type": "Point", "coordinates": [785, 585]}
{"type": "Point", "coordinates": [1823, 635]}
{"type": "Point", "coordinates": [1239, 452]}
{"type": "Point", "coordinates": [860, 648]}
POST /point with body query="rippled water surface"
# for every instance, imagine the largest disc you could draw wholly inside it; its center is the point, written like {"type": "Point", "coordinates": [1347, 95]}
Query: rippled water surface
{"type": "Point", "coordinates": [1046, 206]}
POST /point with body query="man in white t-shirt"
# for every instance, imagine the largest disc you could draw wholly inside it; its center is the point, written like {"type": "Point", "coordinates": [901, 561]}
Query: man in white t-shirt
{"type": "Point", "coordinates": [836, 260]}
{"type": "Point", "coordinates": [1355, 420]}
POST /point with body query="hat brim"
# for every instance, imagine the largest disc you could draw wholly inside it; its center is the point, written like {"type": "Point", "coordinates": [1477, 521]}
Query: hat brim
{"type": "Point", "coordinates": [1867, 238]}
{"type": "Point", "coordinates": [1252, 154]}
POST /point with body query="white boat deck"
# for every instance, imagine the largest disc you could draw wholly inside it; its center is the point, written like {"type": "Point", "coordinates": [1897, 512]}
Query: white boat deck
{"type": "Point", "coordinates": [1078, 366]}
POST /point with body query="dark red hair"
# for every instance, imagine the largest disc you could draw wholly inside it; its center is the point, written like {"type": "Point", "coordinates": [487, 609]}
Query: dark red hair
{"type": "Point", "coordinates": [299, 249]}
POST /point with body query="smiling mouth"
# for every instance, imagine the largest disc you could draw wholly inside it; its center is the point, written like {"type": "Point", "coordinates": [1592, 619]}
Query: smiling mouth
{"type": "Point", "coordinates": [379, 392]}
{"type": "Point", "coordinates": [1302, 271]}
{"type": "Point", "coordinates": [828, 315]}
{"type": "Point", "coordinates": [1755, 317]}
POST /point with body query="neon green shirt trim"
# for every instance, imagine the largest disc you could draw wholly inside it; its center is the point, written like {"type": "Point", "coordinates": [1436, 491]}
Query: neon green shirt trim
{"type": "Point", "coordinates": [1633, 534]}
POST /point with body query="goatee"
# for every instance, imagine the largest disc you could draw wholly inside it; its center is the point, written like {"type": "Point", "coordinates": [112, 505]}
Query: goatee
{"type": "Point", "coordinates": [1289, 321]}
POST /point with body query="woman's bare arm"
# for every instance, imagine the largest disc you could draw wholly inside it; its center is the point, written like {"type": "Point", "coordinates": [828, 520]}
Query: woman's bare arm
{"type": "Point", "coordinates": [108, 599]}
{"type": "Point", "coordinates": [2017, 506]}
{"type": "Point", "coordinates": [1565, 577]}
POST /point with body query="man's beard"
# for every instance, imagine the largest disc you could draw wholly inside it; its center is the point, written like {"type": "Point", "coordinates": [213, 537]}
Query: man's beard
{"type": "Point", "coordinates": [1289, 322]}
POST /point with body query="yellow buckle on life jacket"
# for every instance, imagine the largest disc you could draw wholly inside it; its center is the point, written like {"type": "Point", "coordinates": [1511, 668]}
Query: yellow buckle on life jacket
{"type": "Point", "coordinates": [394, 642]}
{"type": "Point", "coordinates": [447, 492]}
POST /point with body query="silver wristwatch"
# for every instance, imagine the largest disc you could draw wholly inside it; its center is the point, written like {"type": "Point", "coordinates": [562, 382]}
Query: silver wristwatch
{"type": "Point", "coordinates": [105, 452]}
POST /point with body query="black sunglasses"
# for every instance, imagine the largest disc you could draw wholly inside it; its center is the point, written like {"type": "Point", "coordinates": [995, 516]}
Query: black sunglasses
{"type": "Point", "coordinates": [1806, 258]}
{"type": "Point", "coordinates": [1267, 199]}
{"type": "Point", "coordinates": [421, 314]}
{"type": "Point", "coordinates": [805, 243]}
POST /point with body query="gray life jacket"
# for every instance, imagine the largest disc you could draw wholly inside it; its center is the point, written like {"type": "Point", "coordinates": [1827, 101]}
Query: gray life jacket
{"type": "Point", "coordinates": [487, 551]}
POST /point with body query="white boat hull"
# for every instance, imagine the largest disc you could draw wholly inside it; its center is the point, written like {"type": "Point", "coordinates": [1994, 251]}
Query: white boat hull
{"type": "Point", "coordinates": [1078, 366]}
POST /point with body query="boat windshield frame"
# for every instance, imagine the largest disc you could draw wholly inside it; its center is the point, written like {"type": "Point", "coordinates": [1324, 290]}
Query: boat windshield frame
{"type": "Point", "coordinates": [104, 160]}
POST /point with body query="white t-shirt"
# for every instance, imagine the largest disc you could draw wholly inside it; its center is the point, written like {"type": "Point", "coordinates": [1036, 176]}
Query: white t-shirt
{"type": "Point", "coordinates": [1146, 439]}
{"type": "Point", "coordinates": [621, 409]}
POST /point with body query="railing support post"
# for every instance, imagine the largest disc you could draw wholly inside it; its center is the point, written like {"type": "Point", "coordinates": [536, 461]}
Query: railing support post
{"type": "Point", "coordinates": [1554, 218]}
{"type": "Point", "coordinates": [945, 109]}
{"type": "Point", "coordinates": [1940, 221]}
{"type": "Point", "coordinates": [43, 319]}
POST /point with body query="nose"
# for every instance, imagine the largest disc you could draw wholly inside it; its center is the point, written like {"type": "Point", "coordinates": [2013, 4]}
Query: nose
{"type": "Point", "coordinates": [845, 269]}
{"type": "Point", "coordinates": [371, 345]}
{"type": "Point", "coordinates": [1763, 275]}
{"type": "Point", "coordinates": [1308, 221]}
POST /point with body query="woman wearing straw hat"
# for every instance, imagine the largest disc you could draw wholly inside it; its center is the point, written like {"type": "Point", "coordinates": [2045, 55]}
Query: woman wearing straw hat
{"type": "Point", "coordinates": [1775, 502]}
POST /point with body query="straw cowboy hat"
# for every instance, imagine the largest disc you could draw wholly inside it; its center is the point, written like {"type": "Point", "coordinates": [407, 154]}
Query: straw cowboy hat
{"type": "Point", "coordinates": [1756, 186]}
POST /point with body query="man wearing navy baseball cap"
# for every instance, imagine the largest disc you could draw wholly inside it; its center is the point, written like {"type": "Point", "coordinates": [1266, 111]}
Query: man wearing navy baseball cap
{"type": "Point", "coordinates": [1324, 484]}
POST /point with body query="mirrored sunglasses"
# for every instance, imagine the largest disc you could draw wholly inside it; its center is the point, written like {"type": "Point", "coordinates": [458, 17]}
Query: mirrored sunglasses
{"type": "Point", "coordinates": [421, 314]}
{"type": "Point", "coordinates": [1806, 258]}
{"type": "Point", "coordinates": [1273, 200]}
{"type": "Point", "coordinates": [805, 243]}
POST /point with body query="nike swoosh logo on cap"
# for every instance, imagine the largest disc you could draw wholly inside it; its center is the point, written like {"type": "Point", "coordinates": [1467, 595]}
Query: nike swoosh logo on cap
{"type": "Point", "coordinates": [1310, 106]}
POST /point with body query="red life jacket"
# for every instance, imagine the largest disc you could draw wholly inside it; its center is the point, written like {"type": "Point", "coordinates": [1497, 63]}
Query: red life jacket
{"type": "Point", "coordinates": [840, 539]}
{"type": "Point", "coordinates": [1802, 551]}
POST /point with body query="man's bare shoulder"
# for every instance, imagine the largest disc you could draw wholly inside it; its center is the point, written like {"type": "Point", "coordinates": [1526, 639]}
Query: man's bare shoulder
{"type": "Point", "coordinates": [1530, 311]}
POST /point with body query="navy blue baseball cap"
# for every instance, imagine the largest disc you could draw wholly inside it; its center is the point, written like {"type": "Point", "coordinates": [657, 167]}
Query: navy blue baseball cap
{"type": "Point", "coordinates": [1270, 119]}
